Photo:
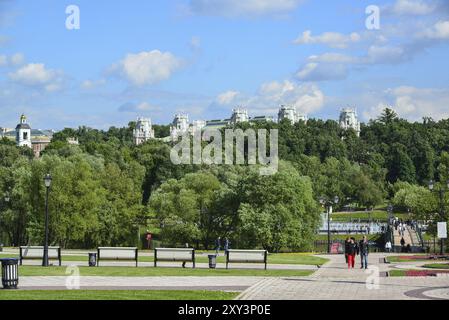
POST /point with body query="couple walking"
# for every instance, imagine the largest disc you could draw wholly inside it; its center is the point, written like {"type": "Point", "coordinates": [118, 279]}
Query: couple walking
{"type": "Point", "coordinates": [352, 249]}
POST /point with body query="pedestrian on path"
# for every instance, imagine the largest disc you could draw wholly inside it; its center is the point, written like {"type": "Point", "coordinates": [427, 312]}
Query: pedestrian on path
{"type": "Point", "coordinates": [388, 246]}
{"type": "Point", "coordinates": [217, 245]}
{"type": "Point", "coordinates": [364, 250]}
{"type": "Point", "coordinates": [227, 244]}
{"type": "Point", "coordinates": [347, 243]}
{"type": "Point", "coordinates": [402, 242]}
{"type": "Point", "coordinates": [352, 251]}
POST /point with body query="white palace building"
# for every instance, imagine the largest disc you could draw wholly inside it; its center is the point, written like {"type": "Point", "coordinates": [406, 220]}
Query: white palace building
{"type": "Point", "coordinates": [181, 124]}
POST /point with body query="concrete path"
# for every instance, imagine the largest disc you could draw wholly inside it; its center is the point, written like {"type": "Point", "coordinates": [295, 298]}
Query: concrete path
{"type": "Point", "coordinates": [234, 284]}
{"type": "Point", "coordinates": [334, 281]}
{"type": "Point", "coordinates": [252, 266]}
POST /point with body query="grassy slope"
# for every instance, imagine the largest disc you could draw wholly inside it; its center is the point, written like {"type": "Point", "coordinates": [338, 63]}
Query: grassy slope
{"type": "Point", "coordinates": [116, 295]}
{"type": "Point", "coordinates": [375, 215]}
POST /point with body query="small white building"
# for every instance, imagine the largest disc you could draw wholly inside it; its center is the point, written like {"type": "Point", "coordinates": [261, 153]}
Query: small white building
{"type": "Point", "coordinates": [180, 126]}
{"type": "Point", "coordinates": [23, 133]}
{"type": "Point", "coordinates": [143, 131]}
{"type": "Point", "coordinates": [239, 115]}
{"type": "Point", "coordinates": [349, 120]}
{"type": "Point", "coordinates": [197, 126]}
{"type": "Point", "coordinates": [289, 112]}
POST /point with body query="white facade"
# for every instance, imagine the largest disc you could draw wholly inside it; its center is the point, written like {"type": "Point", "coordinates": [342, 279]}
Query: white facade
{"type": "Point", "coordinates": [239, 115]}
{"type": "Point", "coordinates": [197, 126]}
{"type": "Point", "coordinates": [180, 126]}
{"type": "Point", "coordinates": [143, 131]}
{"type": "Point", "coordinates": [23, 133]}
{"type": "Point", "coordinates": [349, 120]}
{"type": "Point", "coordinates": [289, 112]}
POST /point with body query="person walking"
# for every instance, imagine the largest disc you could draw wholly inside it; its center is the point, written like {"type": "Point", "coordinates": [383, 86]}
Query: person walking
{"type": "Point", "coordinates": [347, 243]}
{"type": "Point", "coordinates": [364, 250]}
{"type": "Point", "coordinates": [227, 244]}
{"type": "Point", "coordinates": [388, 246]}
{"type": "Point", "coordinates": [217, 245]}
{"type": "Point", "coordinates": [352, 251]}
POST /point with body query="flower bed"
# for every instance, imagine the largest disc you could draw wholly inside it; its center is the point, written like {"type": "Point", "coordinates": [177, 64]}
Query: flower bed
{"type": "Point", "coordinates": [423, 273]}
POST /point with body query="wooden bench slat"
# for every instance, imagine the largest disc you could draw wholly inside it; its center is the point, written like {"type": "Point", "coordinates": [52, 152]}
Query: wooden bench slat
{"type": "Point", "coordinates": [174, 254]}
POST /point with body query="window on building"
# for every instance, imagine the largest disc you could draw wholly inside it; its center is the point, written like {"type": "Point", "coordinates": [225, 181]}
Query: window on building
{"type": "Point", "coordinates": [25, 136]}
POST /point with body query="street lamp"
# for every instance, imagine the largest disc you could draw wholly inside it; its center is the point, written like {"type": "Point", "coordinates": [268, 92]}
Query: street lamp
{"type": "Point", "coordinates": [441, 191]}
{"type": "Point", "coordinates": [328, 204]}
{"type": "Point", "coordinates": [47, 182]}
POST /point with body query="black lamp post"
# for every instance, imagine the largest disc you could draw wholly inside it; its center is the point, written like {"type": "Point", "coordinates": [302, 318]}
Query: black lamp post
{"type": "Point", "coordinates": [328, 204]}
{"type": "Point", "coordinates": [47, 181]}
{"type": "Point", "coordinates": [441, 192]}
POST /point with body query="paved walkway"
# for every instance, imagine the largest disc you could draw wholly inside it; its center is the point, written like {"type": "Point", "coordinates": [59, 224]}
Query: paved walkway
{"type": "Point", "coordinates": [334, 281]}
{"type": "Point", "coordinates": [178, 265]}
{"type": "Point", "coordinates": [139, 283]}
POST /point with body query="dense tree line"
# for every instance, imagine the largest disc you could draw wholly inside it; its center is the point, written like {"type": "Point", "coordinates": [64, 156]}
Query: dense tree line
{"type": "Point", "coordinates": [106, 189]}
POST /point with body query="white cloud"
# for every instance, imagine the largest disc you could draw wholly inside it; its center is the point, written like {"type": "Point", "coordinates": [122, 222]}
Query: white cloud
{"type": "Point", "coordinates": [412, 103]}
{"type": "Point", "coordinates": [227, 97]}
{"type": "Point", "coordinates": [36, 75]}
{"type": "Point", "coordinates": [146, 68]}
{"type": "Point", "coordinates": [322, 72]}
{"type": "Point", "coordinates": [143, 107]}
{"type": "Point", "coordinates": [336, 66]}
{"type": "Point", "coordinates": [412, 7]}
{"type": "Point", "coordinates": [92, 84]}
{"type": "Point", "coordinates": [17, 59]}
{"type": "Point", "coordinates": [233, 8]}
{"type": "Point", "coordinates": [306, 97]}
{"type": "Point", "coordinates": [439, 31]}
{"type": "Point", "coordinates": [14, 60]}
{"type": "Point", "coordinates": [195, 43]}
{"type": "Point", "coordinates": [331, 39]}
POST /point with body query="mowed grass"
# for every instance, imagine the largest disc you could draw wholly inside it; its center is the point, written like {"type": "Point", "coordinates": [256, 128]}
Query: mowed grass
{"type": "Point", "coordinates": [275, 258]}
{"type": "Point", "coordinates": [397, 273]}
{"type": "Point", "coordinates": [116, 295]}
{"type": "Point", "coordinates": [363, 215]}
{"type": "Point", "coordinates": [437, 266]}
{"type": "Point", "coordinates": [371, 237]}
{"type": "Point", "coordinates": [159, 271]}
{"type": "Point", "coordinates": [416, 257]}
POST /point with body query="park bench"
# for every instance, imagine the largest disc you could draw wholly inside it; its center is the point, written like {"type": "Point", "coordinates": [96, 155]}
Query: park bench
{"type": "Point", "coordinates": [37, 252]}
{"type": "Point", "coordinates": [174, 254]}
{"type": "Point", "coordinates": [117, 253]}
{"type": "Point", "coordinates": [246, 256]}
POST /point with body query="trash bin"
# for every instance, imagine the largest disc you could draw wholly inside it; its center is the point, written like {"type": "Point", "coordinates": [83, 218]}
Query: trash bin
{"type": "Point", "coordinates": [212, 261]}
{"type": "Point", "coordinates": [10, 273]}
{"type": "Point", "coordinates": [92, 259]}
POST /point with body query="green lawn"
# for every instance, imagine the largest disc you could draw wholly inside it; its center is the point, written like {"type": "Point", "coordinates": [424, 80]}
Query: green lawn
{"type": "Point", "coordinates": [116, 295]}
{"type": "Point", "coordinates": [162, 271]}
{"type": "Point", "coordinates": [275, 258]}
{"type": "Point", "coordinates": [397, 273]}
{"type": "Point", "coordinates": [371, 237]}
{"type": "Point", "coordinates": [437, 266]}
{"type": "Point", "coordinates": [417, 257]}
{"type": "Point", "coordinates": [375, 215]}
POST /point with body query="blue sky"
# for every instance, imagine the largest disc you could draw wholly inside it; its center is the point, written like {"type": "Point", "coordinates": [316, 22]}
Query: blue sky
{"type": "Point", "coordinates": [204, 57]}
